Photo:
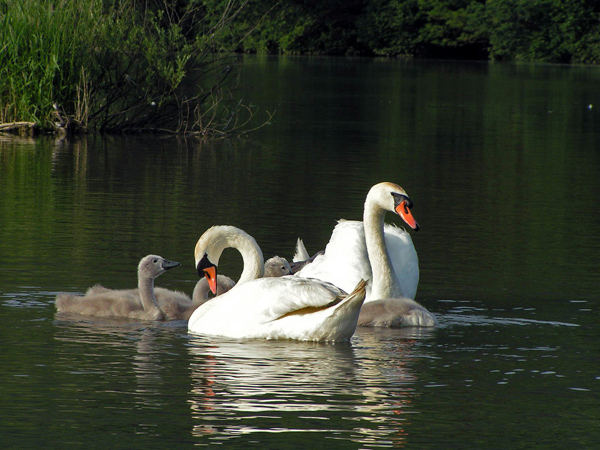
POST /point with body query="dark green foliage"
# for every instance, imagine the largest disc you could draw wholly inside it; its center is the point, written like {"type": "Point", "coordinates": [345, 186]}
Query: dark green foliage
{"type": "Point", "coordinates": [545, 30]}
{"type": "Point", "coordinates": [391, 27]}
{"type": "Point", "coordinates": [539, 30]}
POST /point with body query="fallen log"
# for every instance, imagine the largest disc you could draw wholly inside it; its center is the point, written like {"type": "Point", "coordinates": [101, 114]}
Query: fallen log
{"type": "Point", "coordinates": [18, 127]}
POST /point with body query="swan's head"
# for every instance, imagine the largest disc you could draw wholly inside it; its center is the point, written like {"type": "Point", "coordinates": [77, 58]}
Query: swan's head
{"type": "Point", "coordinates": [208, 250]}
{"type": "Point", "coordinates": [154, 265]}
{"type": "Point", "coordinates": [211, 244]}
{"type": "Point", "coordinates": [207, 269]}
{"type": "Point", "coordinates": [277, 267]}
{"type": "Point", "coordinates": [391, 197]}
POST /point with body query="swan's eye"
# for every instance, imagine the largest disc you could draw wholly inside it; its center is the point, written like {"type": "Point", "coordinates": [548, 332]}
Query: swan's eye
{"type": "Point", "coordinates": [399, 198]}
{"type": "Point", "coordinates": [204, 264]}
{"type": "Point", "coordinates": [155, 261]}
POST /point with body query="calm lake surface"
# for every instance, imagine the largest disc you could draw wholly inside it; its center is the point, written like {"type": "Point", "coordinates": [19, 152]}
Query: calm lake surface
{"type": "Point", "coordinates": [502, 164]}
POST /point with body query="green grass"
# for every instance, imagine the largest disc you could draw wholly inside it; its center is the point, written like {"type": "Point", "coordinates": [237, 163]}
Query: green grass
{"type": "Point", "coordinates": [111, 66]}
{"type": "Point", "coordinates": [42, 52]}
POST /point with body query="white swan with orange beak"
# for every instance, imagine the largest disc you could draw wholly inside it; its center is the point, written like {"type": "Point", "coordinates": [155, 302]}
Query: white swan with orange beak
{"type": "Point", "coordinates": [380, 253]}
{"type": "Point", "coordinates": [288, 307]}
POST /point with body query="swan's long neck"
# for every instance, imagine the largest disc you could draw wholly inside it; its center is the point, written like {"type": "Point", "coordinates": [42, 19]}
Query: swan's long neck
{"type": "Point", "coordinates": [385, 284]}
{"type": "Point", "coordinates": [146, 289]}
{"type": "Point", "coordinates": [254, 263]}
{"type": "Point", "coordinates": [220, 237]}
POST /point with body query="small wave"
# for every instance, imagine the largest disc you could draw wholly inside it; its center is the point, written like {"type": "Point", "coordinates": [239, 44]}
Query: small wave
{"type": "Point", "coordinates": [471, 319]}
{"type": "Point", "coordinates": [37, 299]}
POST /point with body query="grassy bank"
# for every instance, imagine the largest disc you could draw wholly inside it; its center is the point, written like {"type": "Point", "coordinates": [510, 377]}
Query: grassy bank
{"type": "Point", "coordinates": [113, 66]}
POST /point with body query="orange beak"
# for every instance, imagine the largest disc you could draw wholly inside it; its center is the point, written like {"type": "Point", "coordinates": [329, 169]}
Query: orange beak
{"type": "Point", "coordinates": [211, 276]}
{"type": "Point", "coordinates": [404, 211]}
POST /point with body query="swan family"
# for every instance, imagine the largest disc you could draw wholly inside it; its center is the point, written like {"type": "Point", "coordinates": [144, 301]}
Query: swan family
{"type": "Point", "coordinates": [367, 276]}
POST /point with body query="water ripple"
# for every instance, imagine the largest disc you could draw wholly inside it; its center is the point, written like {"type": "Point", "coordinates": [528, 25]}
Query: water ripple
{"type": "Point", "coordinates": [291, 385]}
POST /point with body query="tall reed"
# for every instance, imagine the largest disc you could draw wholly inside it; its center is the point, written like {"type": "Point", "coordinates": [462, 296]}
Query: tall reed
{"type": "Point", "coordinates": [41, 52]}
{"type": "Point", "coordinates": [112, 65]}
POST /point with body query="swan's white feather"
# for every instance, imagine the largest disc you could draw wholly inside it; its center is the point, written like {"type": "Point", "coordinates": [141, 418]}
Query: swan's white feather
{"type": "Point", "coordinates": [301, 252]}
{"type": "Point", "coordinates": [280, 308]}
{"type": "Point", "coordinates": [346, 260]}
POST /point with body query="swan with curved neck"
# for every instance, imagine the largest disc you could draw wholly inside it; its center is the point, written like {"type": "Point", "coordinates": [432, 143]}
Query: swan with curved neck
{"type": "Point", "coordinates": [288, 307]}
{"type": "Point", "coordinates": [101, 302]}
{"type": "Point", "coordinates": [378, 252]}
{"type": "Point", "coordinates": [211, 244]}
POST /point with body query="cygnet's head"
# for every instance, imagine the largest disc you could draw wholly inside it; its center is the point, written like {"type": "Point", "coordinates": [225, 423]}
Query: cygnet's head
{"type": "Point", "coordinates": [153, 265]}
{"type": "Point", "coordinates": [277, 267]}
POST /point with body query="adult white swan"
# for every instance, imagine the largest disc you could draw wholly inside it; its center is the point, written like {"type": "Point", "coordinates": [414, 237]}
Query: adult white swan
{"type": "Point", "coordinates": [288, 307]}
{"type": "Point", "coordinates": [378, 252]}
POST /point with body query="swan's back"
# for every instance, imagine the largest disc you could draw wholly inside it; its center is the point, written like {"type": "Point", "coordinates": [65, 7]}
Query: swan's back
{"type": "Point", "coordinates": [346, 260]}
{"type": "Point", "coordinates": [280, 308]}
{"type": "Point", "coordinates": [111, 303]}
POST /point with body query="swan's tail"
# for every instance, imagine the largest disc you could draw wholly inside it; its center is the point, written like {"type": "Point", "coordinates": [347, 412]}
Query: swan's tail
{"type": "Point", "coordinates": [96, 289]}
{"type": "Point", "coordinates": [301, 253]}
{"type": "Point", "coordinates": [355, 299]}
{"type": "Point", "coordinates": [343, 321]}
{"type": "Point", "coordinates": [301, 257]}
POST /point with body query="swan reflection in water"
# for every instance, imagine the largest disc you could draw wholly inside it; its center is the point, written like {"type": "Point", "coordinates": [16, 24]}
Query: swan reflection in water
{"type": "Point", "coordinates": [361, 391]}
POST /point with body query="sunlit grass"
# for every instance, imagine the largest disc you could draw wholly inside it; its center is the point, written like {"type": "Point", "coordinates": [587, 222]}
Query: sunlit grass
{"type": "Point", "coordinates": [109, 66]}
{"type": "Point", "coordinates": [42, 53]}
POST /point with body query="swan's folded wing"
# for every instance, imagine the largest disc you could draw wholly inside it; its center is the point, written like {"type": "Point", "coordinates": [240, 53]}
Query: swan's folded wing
{"type": "Point", "coordinates": [106, 303]}
{"type": "Point", "coordinates": [290, 295]}
{"type": "Point", "coordinates": [345, 261]}
{"type": "Point", "coordinates": [243, 310]}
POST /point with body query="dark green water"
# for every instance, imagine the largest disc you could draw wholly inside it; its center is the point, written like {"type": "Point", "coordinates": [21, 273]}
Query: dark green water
{"type": "Point", "coordinates": [501, 162]}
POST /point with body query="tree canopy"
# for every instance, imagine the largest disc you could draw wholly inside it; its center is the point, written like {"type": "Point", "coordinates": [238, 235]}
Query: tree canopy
{"type": "Point", "coordinates": [532, 30]}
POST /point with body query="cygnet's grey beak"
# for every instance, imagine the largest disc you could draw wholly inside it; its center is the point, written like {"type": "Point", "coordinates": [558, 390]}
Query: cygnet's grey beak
{"type": "Point", "coordinates": [169, 264]}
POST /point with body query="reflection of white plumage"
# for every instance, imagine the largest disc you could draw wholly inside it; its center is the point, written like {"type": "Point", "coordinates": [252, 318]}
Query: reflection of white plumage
{"type": "Point", "coordinates": [381, 253]}
{"type": "Point", "coordinates": [371, 383]}
{"type": "Point", "coordinates": [270, 308]}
